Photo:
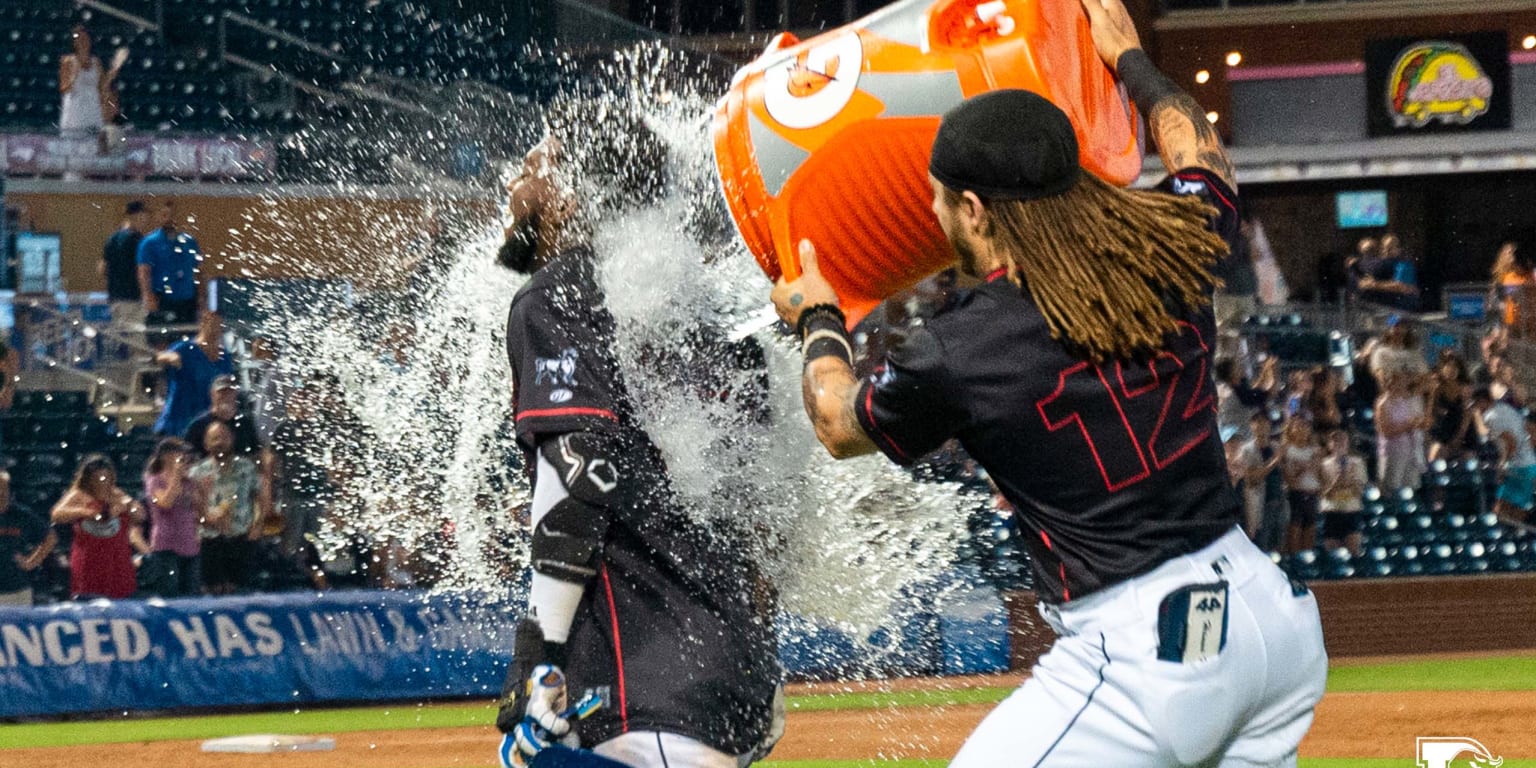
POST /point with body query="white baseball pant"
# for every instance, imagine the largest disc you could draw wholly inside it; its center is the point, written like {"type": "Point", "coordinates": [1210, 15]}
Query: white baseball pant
{"type": "Point", "coordinates": [1102, 696]}
{"type": "Point", "coordinates": [652, 749]}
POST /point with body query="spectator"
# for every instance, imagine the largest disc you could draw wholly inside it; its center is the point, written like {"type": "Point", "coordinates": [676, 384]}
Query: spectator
{"type": "Point", "coordinates": [119, 265]}
{"type": "Point", "coordinates": [299, 445]}
{"type": "Point", "coordinates": [177, 507]}
{"type": "Point", "coordinates": [1397, 351]}
{"type": "Point", "coordinates": [1263, 486]}
{"type": "Point", "coordinates": [1390, 280]}
{"type": "Point", "coordinates": [1401, 421]}
{"type": "Point", "coordinates": [352, 450]}
{"type": "Point", "coordinates": [1514, 284]}
{"type": "Point", "coordinates": [1324, 400]}
{"type": "Point", "coordinates": [1298, 394]}
{"type": "Point", "coordinates": [25, 541]}
{"type": "Point", "coordinates": [1343, 484]}
{"type": "Point", "coordinates": [270, 381]}
{"type": "Point", "coordinates": [106, 523]}
{"type": "Point", "coordinates": [1232, 445]}
{"type": "Point", "coordinates": [1451, 434]}
{"type": "Point", "coordinates": [192, 365]}
{"type": "Point", "coordinates": [1302, 466]}
{"type": "Point", "coordinates": [1504, 427]}
{"type": "Point", "coordinates": [1366, 250]}
{"type": "Point", "coordinates": [169, 263]}
{"type": "Point", "coordinates": [237, 501]}
{"type": "Point", "coordinates": [1503, 380]}
{"type": "Point", "coordinates": [84, 86]}
{"type": "Point", "coordinates": [1236, 399]}
{"type": "Point", "coordinates": [224, 408]}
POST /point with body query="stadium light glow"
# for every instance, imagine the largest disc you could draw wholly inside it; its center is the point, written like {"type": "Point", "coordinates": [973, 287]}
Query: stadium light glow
{"type": "Point", "coordinates": [1234, 58]}
{"type": "Point", "coordinates": [1203, 76]}
{"type": "Point", "coordinates": [1212, 116]}
{"type": "Point", "coordinates": [1529, 42]}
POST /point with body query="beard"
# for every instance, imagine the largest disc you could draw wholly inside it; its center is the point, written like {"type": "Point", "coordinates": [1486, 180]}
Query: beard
{"type": "Point", "coordinates": [966, 256]}
{"type": "Point", "coordinates": [517, 252]}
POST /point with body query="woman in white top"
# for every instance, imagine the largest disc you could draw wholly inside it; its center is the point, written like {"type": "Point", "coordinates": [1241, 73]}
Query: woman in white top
{"type": "Point", "coordinates": [85, 86]}
{"type": "Point", "coordinates": [1301, 466]}
{"type": "Point", "coordinates": [1401, 423]}
{"type": "Point", "coordinates": [1397, 351]}
{"type": "Point", "coordinates": [1343, 483]}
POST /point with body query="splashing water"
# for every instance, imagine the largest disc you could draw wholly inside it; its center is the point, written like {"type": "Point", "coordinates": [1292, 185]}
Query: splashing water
{"type": "Point", "coordinates": [840, 539]}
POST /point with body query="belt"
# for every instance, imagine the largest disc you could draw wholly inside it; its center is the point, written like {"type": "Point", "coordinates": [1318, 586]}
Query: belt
{"type": "Point", "coordinates": [1231, 558]}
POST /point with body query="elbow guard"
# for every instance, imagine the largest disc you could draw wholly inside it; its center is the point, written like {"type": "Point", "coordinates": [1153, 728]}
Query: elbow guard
{"type": "Point", "coordinates": [576, 475]}
{"type": "Point", "coordinates": [568, 541]}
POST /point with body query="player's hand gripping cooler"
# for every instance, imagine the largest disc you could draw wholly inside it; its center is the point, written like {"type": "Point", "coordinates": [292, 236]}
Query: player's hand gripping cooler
{"type": "Point", "coordinates": [828, 139]}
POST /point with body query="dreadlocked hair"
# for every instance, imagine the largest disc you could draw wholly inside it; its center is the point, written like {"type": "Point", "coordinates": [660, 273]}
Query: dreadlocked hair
{"type": "Point", "coordinates": [1111, 269]}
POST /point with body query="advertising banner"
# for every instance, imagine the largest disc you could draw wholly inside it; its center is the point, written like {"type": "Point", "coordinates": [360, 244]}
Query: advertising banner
{"type": "Point", "coordinates": [298, 648]}
{"type": "Point", "coordinates": [274, 649]}
{"type": "Point", "coordinates": [1448, 83]}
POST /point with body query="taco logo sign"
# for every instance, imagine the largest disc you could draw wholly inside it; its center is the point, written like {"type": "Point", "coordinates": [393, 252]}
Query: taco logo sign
{"type": "Point", "coordinates": [1437, 81]}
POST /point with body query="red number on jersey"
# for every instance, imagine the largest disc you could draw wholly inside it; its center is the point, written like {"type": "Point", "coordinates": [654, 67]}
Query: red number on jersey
{"type": "Point", "coordinates": [1176, 380]}
{"type": "Point", "coordinates": [1114, 446]}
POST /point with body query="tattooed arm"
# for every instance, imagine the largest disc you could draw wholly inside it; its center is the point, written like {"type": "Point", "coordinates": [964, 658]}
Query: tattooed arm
{"type": "Point", "coordinates": [1185, 138]}
{"type": "Point", "coordinates": [829, 388]}
{"type": "Point", "coordinates": [827, 383]}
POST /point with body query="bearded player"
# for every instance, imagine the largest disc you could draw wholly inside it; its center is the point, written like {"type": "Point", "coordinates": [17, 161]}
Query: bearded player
{"type": "Point", "coordinates": [635, 608]}
{"type": "Point", "coordinates": [1078, 374]}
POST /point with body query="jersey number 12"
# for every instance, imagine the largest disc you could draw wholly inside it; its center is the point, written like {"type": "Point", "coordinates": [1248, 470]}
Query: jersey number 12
{"type": "Point", "coordinates": [1176, 382]}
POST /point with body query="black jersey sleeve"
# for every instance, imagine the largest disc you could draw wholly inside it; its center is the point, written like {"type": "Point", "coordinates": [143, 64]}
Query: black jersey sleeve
{"type": "Point", "coordinates": [562, 378]}
{"type": "Point", "coordinates": [904, 407]}
{"type": "Point", "coordinates": [1210, 188]}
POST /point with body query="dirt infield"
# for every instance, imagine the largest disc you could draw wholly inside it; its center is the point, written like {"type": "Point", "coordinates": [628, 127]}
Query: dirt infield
{"type": "Point", "coordinates": [1348, 725]}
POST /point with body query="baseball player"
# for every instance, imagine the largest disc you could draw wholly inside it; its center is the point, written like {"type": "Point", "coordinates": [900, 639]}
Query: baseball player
{"type": "Point", "coordinates": [1078, 374]}
{"type": "Point", "coordinates": [645, 641]}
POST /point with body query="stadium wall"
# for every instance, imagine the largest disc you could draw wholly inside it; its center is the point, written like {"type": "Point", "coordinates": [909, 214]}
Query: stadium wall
{"type": "Point", "coordinates": [1372, 617]}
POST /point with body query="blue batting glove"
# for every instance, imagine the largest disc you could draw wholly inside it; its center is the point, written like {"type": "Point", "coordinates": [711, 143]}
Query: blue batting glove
{"type": "Point", "coordinates": [546, 721]}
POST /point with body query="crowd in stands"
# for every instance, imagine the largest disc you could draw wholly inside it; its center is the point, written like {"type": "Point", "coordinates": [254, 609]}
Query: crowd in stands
{"type": "Point", "coordinates": [1306, 446]}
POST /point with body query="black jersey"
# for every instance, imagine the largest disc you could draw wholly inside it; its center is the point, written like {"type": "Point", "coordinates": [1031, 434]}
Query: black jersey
{"type": "Point", "coordinates": [1113, 468]}
{"type": "Point", "coordinates": [667, 633]}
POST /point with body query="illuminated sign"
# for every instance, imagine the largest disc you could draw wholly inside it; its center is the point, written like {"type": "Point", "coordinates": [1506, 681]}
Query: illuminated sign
{"type": "Point", "coordinates": [1452, 83]}
{"type": "Point", "coordinates": [1437, 81]}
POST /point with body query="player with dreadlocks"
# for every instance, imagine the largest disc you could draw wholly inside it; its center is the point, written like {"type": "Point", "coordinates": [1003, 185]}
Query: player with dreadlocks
{"type": "Point", "coordinates": [1078, 375]}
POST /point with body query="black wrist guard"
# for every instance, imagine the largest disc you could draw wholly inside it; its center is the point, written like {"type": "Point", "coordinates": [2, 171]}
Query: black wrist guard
{"type": "Point", "coordinates": [823, 333]}
{"type": "Point", "coordinates": [529, 650]}
{"type": "Point", "coordinates": [812, 313]}
{"type": "Point", "coordinates": [1143, 81]}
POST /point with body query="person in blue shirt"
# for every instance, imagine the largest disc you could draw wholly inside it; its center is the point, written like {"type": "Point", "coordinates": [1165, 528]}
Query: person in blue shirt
{"type": "Point", "coordinates": [1392, 279]}
{"type": "Point", "coordinates": [191, 366]}
{"type": "Point", "coordinates": [168, 270]}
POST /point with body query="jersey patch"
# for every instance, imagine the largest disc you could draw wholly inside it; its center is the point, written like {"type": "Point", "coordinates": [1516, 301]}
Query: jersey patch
{"type": "Point", "coordinates": [1192, 623]}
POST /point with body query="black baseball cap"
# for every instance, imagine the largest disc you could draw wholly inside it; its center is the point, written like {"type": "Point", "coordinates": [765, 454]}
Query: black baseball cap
{"type": "Point", "coordinates": [1006, 145]}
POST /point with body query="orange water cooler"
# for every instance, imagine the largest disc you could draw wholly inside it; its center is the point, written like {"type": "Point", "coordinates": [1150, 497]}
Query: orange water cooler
{"type": "Point", "coordinates": [828, 138]}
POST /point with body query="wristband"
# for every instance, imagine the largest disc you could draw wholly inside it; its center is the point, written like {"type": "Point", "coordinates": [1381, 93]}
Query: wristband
{"type": "Point", "coordinates": [1145, 84]}
{"type": "Point", "coordinates": [815, 312]}
{"type": "Point", "coordinates": [822, 329]}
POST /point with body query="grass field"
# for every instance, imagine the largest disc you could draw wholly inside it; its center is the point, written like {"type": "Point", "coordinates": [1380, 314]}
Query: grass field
{"type": "Point", "coordinates": [1475, 674]}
